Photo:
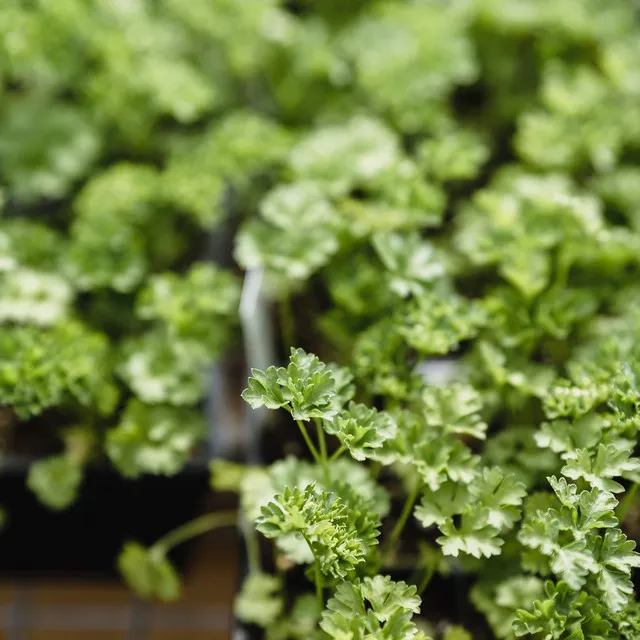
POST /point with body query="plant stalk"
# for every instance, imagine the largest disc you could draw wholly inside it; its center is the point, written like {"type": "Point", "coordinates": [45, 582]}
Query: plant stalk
{"type": "Point", "coordinates": [318, 576]}
{"type": "Point", "coordinates": [430, 570]}
{"type": "Point", "coordinates": [402, 520]}
{"type": "Point", "coordinates": [321, 439]}
{"type": "Point", "coordinates": [627, 502]}
{"type": "Point", "coordinates": [307, 439]}
{"type": "Point", "coordinates": [319, 586]}
{"type": "Point", "coordinates": [252, 547]}
{"type": "Point", "coordinates": [194, 528]}
{"type": "Point", "coordinates": [287, 326]}
{"type": "Point", "coordinates": [337, 453]}
{"type": "Point", "coordinates": [323, 450]}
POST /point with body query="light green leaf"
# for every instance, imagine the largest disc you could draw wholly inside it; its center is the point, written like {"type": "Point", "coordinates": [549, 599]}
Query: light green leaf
{"type": "Point", "coordinates": [149, 574]}
{"type": "Point", "coordinates": [55, 481]}
{"type": "Point", "coordinates": [155, 439]}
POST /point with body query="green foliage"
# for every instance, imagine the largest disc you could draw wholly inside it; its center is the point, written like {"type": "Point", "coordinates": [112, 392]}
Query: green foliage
{"type": "Point", "coordinates": [305, 388]}
{"type": "Point", "coordinates": [570, 536]}
{"type": "Point", "coordinates": [418, 181]}
{"type": "Point", "coordinates": [148, 573]}
{"type": "Point", "coordinates": [327, 525]}
{"type": "Point", "coordinates": [55, 481]}
{"type": "Point", "coordinates": [374, 607]}
{"type": "Point", "coordinates": [65, 364]}
{"type": "Point", "coordinates": [361, 430]}
{"type": "Point", "coordinates": [200, 306]}
{"type": "Point", "coordinates": [486, 508]}
{"type": "Point", "coordinates": [259, 602]}
{"type": "Point", "coordinates": [156, 439]}
{"type": "Point", "coordinates": [159, 369]}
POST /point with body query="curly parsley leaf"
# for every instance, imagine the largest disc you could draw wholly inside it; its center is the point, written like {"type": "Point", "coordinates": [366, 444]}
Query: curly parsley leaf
{"type": "Point", "coordinates": [55, 481]}
{"type": "Point", "coordinates": [361, 430]}
{"type": "Point", "coordinates": [156, 439]}
{"type": "Point", "coordinates": [306, 388]}
{"type": "Point", "coordinates": [149, 574]}
{"type": "Point", "coordinates": [374, 607]}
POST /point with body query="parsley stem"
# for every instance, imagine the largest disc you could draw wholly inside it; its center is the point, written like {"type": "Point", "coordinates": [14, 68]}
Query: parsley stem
{"type": "Point", "coordinates": [286, 323]}
{"type": "Point", "coordinates": [321, 439]}
{"type": "Point", "coordinates": [323, 449]}
{"type": "Point", "coordinates": [402, 520]}
{"type": "Point", "coordinates": [430, 569]}
{"type": "Point", "coordinates": [337, 453]}
{"type": "Point", "coordinates": [627, 502]}
{"type": "Point", "coordinates": [319, 586]}
{"type": "Point", "coordinates": [307, 439]}
{"type": "Point", "coordinates": [194, 528]}
{"type": "Point", "coordinates": [251, 545]}
{"type": "Point", "coordinates": [318, 576]}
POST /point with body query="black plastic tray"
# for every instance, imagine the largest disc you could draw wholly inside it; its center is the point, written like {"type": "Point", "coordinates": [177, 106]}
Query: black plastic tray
{"type": "Point", "coordinates": [84, 540]}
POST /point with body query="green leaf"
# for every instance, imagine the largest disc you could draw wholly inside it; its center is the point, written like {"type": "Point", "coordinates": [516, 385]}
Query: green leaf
{"type": "Point", "coordinates": [374, 607]}
{"type": "Point", "coordinates": [610, 461]}
{"type": "Point", "coordinates": [474, 536]}
{"type": "Point", "coordinates": [300, 204]}
{"type": "Point", "coordinates": [563, 614]}
{"type": "Point", "coordinates": [306, 387]}
{"type": "Point", "coordinates": [148, 574]}
{"type": "Point", "coordinates": [65, 365]}
{"type": "Point", "coordinates": [616, 557]}
{"type": "Point", "coordinates": [34, 297]}
{"type": "Point", "coordinates": [125, 190]}
{"type": "Point", "coordinates": [454, 409]}
{"type": "Point", "coordinates": [55, 481]}
{"type": "Point", "coordinates": [500, 602]}
{"type": "Point", "coordinates": [438, 460]}
{"type": "Point", "coordinates": [259, 601]}
{"type": "Point", "coordinates": [105, 254]}
{"type": "Point", "coordinates": [325, 523]}
{"type": "Point", "coordinates": [501, 494]}
{"type": "Point", "coordinates": [563, 436]}
{"type": "Point", "coordinates": [484, 507]}
{"type": "Point", "coordinates": [453, 154]}
{"type": "Point", "coordinates": [339, 158]}
{"type": "Point", "coordinates": [456, 633]}
{"type": "Point", "coordinates": [411, 262]}
{"type": "Point", "coordinates": [361, 430]}
{"type": "Point", "coordinates": [439, 506]}
{"type": "Point", "coordinates": [409, 55]}
{"type": "Point", "coordinates": [32, 244]}
{"type": "Point", "coordinates": [436, 323]}
{"type": "Point", "coordinates": [160, 369]}
{"type": "Point", "coordinates": [46, 146]}
{"type": "Point", "coordinates": [201, 305]}
{"type": "Point", "coordinates": [154, 439]}
{"type": "Point", "coordinates": [290, 256]}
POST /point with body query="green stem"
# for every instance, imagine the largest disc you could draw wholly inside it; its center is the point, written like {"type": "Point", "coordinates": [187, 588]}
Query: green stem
{"type": "Point", "coordinates": [251, 543]}
{"type": "Point", "coordinates": [318, 576]}
{"type": "Point", "coordinates": [321, 439]}
{"type": "Point", "coordinates": [402, 520]}
{"type": "Point", "coordinates": [627, 502]}
{"type": "Point", "coordinates": [323, 450]}
{"type": "Point", "coordinates": [319, 586]}
{"type": "Point", "coordinates": [287, 327]}
{"type": "Point", "coordinates": [430, 570]}
{"type": "Point", "coordinates": [307, 439]}
{"type": "Point", "coordinates": [376, 468]}
{"type": "Point", "coordinates": [337, 453]}
{"type": "Point", "coordinates": [194, 528]}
